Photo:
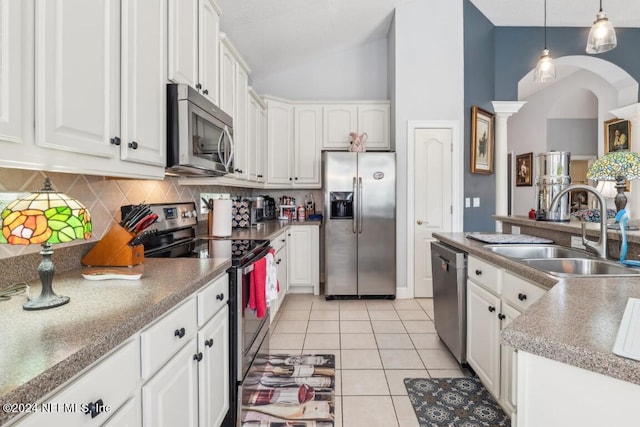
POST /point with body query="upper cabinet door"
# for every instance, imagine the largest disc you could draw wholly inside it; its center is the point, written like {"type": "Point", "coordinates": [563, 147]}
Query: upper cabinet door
{"type": "Point", "coordinates": [227, 80]}
{"type": "Point", "coordinates": [240, 124]}
{"type": "Point", "coordinates": [373, 119]}
{"type": "Point", "coordinates": [339, 122]}
{"type": "Point", "coordinates": [12, 49]}
{"type": "Point", "coordinates": [183, 42]}
{"type": "Point", "coordinates": [279, 142]}
{"type": "Point", "coordinates": [209, 19]}
{"type": "Point", "coordinates": [308, 140]}
{"type": "Point", "coordinates": [144, 46]}
{"type": "Point", "coordinates": [77, 69]}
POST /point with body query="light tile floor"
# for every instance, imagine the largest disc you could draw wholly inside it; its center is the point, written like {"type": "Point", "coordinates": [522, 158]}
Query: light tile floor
{"type": "Point", "coordinates": [377, 343]}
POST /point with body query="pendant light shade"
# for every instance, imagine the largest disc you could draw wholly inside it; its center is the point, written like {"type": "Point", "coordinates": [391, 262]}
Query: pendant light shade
{"type": "Point", "coordinates": [602, 37]}
{"type": "Point", "coordinates": [545, 68]}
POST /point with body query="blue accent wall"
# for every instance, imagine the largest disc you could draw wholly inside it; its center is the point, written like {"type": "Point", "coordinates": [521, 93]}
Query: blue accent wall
{"type": "Point", "coordinates": [495, 59]}
{"type": "Point", "coordinates": [479, 90]}
{"type": "Point", "coordinates": [517, 50]}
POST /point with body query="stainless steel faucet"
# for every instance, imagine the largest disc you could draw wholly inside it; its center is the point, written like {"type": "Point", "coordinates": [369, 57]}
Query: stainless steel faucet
{"type": "Point", "coordinates": [599, 247]}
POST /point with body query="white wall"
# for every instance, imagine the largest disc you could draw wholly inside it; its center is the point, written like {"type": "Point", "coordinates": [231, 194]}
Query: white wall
{"type": "Point", "coordinates": [358, 73]}
{"type": "Point", "coordinates": [429, 85]}
{"type": "Point", "coordinates": [528, 128]}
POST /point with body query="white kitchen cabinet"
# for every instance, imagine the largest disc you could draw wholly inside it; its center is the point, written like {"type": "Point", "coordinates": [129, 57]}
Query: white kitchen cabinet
{"type": "Point", "coordinates": [99, 88]}
{"type": "Point", "coordinates": [192, 388]}
{"type": "Point", "coordinates": [241, 124]}
{"type": "Point", "coordinates": [208, 52]}
{"type": "Point", "coordinates": [234, 100]}
{"type": "Point", "coordinates": [303, 251]}
{"type": "Point", "coordinates": [193, 45]}
{"type": "Point", "coordinates": [307, 142]}
{"type": "Point", "coordinates": [14, 48]}
{"type": "Point", "coordinates": [77, 84]}
{"type": "Point", "coordinates": [483, 336]}
{"type": "Point", "coordinates": [213, 369]}
{"type": "Point", "coordinates": [294, 134]}
{"type": "Point", "coordinates": [257, 138]}
{"type": "Point", "coordinates": [495, 297]}
{"type": "Point", "coordinates": [170, 398]}
{"type": "Point", "coordinates": [508, 365]}
{"type": "Point", "coordinates": [372, 118]}
{"type": "Point", "coordinates": [95, 395]}
{"type": "Point", "coordinates": [279, 245]}
{"type": "Point", "coordinates": [279, 142]}
{"type": "Point", "coordinates": [143, 112]}
{"type": "Point", "coordinates": [128, 416]}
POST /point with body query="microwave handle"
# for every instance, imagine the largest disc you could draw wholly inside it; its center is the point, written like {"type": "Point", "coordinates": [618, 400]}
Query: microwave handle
{"type": "Point", "coordinates": [227, 164]}
{"type": "Point", "coordinates": [220, 146]}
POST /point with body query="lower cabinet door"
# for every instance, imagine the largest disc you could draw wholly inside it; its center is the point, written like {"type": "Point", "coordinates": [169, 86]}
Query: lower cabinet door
{"type": "Point", "coordinates": [128, 415]}
{"type": "Point", "coordinates": [170, 398]}
{"type": "Point", "coordinates": [483, 336]}
{"type": "Point", "coordinates": [213, 370]}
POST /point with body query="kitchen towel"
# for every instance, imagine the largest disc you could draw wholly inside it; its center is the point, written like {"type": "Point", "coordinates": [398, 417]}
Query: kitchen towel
{"type": "Point", "coordinates": [221, 218]}
{"type": "Point", "coordinates": [257, 287]}
{"type": "Point", "coordinates": [272, 284]}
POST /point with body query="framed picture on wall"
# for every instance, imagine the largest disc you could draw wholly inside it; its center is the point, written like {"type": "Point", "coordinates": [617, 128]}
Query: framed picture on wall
{"type": "Point", "coordinates": [524, 170]}
{"type": "Point", "coordinates": [617, 135]}
{"type": "Point", "coordinates": [481, 141]}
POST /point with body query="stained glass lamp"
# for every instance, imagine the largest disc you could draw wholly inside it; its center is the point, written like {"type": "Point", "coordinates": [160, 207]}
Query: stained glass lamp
{"type": "Point", "coordinates": [45, 217]}
{"type": "Point", "coordinates": [618, 166]}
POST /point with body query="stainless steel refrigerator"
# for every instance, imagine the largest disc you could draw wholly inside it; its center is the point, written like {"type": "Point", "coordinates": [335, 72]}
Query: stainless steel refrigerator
{"type": "Point", "coordinates": [360, 224]}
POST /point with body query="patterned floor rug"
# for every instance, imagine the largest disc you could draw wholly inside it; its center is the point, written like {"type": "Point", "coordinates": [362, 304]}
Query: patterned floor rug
{"type": "Point", "coordinates": [284, 390]}
{"type": "Point", "coordinates": [454, 402]}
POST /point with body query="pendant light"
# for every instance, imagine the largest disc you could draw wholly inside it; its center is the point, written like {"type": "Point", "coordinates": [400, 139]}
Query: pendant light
{"type": "Point", "coordinates": [545, 69]}
{"type": "Point", "coordinates": [602, 37]}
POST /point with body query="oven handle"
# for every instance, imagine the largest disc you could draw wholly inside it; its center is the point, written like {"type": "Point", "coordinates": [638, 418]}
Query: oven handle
{"type": "Point", "coordinates": [248, 269]}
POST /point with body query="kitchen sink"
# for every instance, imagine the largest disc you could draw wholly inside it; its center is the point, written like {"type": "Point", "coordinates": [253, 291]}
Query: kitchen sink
{"type": "Point", "coordinates": [523, 251]}
{"type": "Point", "coordinates": [567, 267]}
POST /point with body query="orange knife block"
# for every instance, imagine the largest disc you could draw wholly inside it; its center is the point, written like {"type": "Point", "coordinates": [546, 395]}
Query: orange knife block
{"type": "Point", "coordinates": [113, 250]}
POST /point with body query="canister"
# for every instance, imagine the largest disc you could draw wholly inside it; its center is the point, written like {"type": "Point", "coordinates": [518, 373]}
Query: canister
{"type": "Point", "coordinates": [553, 176]}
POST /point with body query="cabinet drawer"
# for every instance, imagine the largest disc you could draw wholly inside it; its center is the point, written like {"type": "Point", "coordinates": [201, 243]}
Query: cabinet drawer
{"type": "Point", "coordinates": [112, 380]}
{"type": "Point", "coordinates": [167, 335]}
{"type": "Point", "coordinates": [279, 241]}
{"type": "Point", "coordinates": [519, 292]}
{"type": "Point", "coordinates": [485, 274]}
{"type": "Point", "coordinates": [212, 298]}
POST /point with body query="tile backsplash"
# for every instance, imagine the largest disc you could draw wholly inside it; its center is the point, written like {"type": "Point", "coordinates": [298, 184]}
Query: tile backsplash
{"type": "Point", "coordinates": [103, 196]}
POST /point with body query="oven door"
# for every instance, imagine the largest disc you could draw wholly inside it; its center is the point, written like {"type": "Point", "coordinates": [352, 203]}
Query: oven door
{"type": "Point", "coordinates": [252, 329]}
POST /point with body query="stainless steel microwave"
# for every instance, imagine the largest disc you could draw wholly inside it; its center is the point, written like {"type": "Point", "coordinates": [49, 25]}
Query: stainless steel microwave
{"type": "Point", "coordinates": [199, 134]}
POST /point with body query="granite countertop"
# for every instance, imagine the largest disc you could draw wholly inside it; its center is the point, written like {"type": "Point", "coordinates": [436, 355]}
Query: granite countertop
{"type": "Point", "coordinates": [40, 350]}
{"type": "Point", "coordinates": [575, 322]}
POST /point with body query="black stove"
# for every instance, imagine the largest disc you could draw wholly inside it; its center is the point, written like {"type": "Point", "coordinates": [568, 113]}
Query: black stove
{"type": "Point", "coordinates": [241, 251]}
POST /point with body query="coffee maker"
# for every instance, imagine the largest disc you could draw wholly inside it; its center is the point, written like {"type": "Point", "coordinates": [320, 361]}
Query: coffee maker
{"type": "Point", "coordinates": [269, 208]}
{"type": "Point", "coordinates": [256, 210]}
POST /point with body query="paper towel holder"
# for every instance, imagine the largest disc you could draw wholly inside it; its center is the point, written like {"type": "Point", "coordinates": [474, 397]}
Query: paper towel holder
{"type": "Point", "coordinates": [219, 218]}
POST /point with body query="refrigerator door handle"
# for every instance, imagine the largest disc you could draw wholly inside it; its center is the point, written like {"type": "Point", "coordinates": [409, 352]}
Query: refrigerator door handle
{"type": "Point", "coordinates": [355, 214]}
{"type": "Point", "coordinates": [359, 205]}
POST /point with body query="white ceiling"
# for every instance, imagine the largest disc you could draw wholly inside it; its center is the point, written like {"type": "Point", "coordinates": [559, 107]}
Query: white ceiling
{"type": "Point", "coordinates": [276, 34]}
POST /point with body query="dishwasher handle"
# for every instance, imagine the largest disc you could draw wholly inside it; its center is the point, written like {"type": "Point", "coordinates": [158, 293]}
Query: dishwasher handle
{"type": "Point", "coordinates": [444, 263]}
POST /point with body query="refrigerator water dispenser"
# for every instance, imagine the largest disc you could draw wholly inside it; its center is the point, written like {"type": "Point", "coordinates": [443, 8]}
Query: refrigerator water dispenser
{"type": "Point", "coordinates": [341, 204]}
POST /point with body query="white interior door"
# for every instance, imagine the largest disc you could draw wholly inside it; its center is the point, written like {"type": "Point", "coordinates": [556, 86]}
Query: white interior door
{"type": "Point", "coordinates": [433, 190]}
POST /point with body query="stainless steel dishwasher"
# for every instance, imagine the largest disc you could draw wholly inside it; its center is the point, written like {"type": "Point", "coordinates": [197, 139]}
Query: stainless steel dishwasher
{"type": "Point", "coordinates": [449, 272]}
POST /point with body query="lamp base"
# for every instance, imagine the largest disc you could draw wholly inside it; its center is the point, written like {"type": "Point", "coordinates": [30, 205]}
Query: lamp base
{"type": "Point", "coordinates": [45, 302]}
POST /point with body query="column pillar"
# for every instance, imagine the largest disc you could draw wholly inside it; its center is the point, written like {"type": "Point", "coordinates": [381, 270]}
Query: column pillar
{"type": "Point", "coordinates": [632, 113]}
{"type": "Point", "coordinates": [503, 110]}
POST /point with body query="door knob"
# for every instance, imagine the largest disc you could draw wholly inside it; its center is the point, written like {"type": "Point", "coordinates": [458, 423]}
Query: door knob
{"type": "Point", "coordinates": [419, 222]}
